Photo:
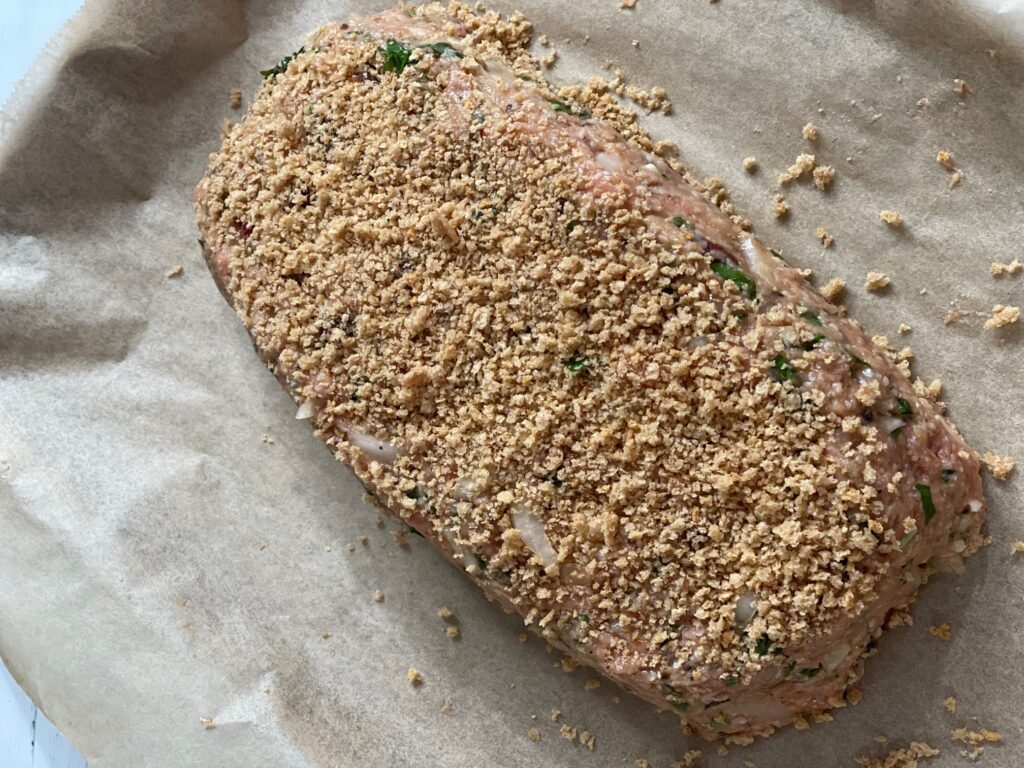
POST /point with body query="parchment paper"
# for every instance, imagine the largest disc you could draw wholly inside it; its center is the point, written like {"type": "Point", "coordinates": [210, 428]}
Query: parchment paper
{"type": "Point", "coordinates": [161, 562]}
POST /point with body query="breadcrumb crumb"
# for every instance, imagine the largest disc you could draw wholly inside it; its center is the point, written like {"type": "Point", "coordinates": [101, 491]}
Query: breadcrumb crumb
{"type": "Point", "coordinates": [628, 4]}
{"type": "Point", "coordinates": [892, 218]}
{"type": "Point", "coordinates": [414, 677]}
{"type": "Point", "coordinates": [750, 164]}
{"type": "Point", "coordinates": [833, 289]}
{"type": "Point", "coordinates": [176, 271]}
{"type": "Point", "coordinates": [533, 735]}
{"type": "Point", "coordinates": [689, 759]}
{"type": "Point", "coordinates": [207, 723]}
{"type": "Point", "coordinates": [824, 175]}
{"type": "Point", "coordinates": [1017, 548]}
{"type": "Point", "coordinates": [446, 708]}
{"type": "Point", "coordinates": [907, 757]}
{"type": "Point", "coordinates": [950, 704]}
{"type": "Point", "coordinates": [780, 208]}
{"type": "Point", "coordinates": [999, 466]}
{"type": "Point", "coordinates": [445, 613]}
{"type": "Point", "coordinates": [810, 132]}
{"type": "Point", "coordinates": [997, 269]}
{"type": "Point", "coordinates": [453, 632]}
{"type": "Point", "coordinates": [942, 631]}
{"type": "Point", "coordinates": [236, 98]}
{"type": "Point", "coordinates": [823, 234]}
{"type": "Point", "coordinates": [378, 596]}
{"type": "Point", "coordinates": [803, 165]}
{"type": "Point", "coordinates": [961, 88]}
{"type": "Point", "coordinates": [592, 683]}
{"type": "Point", "coordinates": [945, 159]}
{"type": "Point", "coordinates": [904, 328]}
{"type": "Point", "coordinates": [1002, 316]}
{"type": "Point", "coordinates": [974, 738]}
{"type": "Point", "coordinates": [876, 281]}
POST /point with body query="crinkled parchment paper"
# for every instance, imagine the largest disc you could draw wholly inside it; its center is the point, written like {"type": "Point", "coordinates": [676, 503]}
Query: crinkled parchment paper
{"type": "Point", "coordinates": [162, 562]}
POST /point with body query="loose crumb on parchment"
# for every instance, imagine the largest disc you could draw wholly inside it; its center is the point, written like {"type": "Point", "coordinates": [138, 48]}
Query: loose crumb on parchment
{"type": "Point", "coordinates": [235, 100]}
{"type": "Point", "coordinates": [627, 4]}
{"type": "Point", "coordinates": [942, 631]}
{"type": "Point", "coordinates": [803, 165]}
{"type": "Point", "coordinates": [833, 289]}
{"type": "Point", "coordinates": [446, 708]}
{"type": "Point", "coordinates": [997, 269]}
{"type": "Point", "coordinates": [999, 466]}
{"type": "Point", "coordinates": [378, 596]}
{"type": "Point", "coordinates": [780, 208]}
{"type": "Point", "coordinates": [823, 234]}
{"type": "Point", "coordinates": [533, 735]}
{"type": "Point", "coordinates": [876, 281]}
{"type": "Point", "coordinates": [907, 757]}
{"type": "Point", "coordinates": [950, 704]}
{"type": "Point", "coordinates": [824, 176]}
{"type": "Point", "coordinates": [414, 677]}
{"type": "Point", "coordinates": [810, 132]}
{"type": "Point", "coordinates": [892, 218]}
{"type": "Point", "coordinates": [1017, 547]}
{"type": "Point", "coordinates": [1002, 315]}
{"type": "Point", "coordinates": [750, 164]}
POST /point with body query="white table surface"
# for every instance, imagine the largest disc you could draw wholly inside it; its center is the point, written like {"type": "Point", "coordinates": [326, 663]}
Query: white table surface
{"type": "Point", "coordinates": [27, 738]}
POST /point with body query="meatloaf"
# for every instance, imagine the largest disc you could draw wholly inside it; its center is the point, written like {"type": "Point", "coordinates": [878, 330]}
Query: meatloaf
{"type": "Point", "coordinates": [538, 343]}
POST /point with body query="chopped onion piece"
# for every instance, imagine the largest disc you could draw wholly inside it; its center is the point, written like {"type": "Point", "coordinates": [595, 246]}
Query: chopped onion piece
{"type": "Point", "coordinates": [532, 531]}
{"type": "Point", "coordinates": [376, 450]}
{"type": "Point", "coordinates": [746, 608]}
{"type": "Point", "coordinates": [305, 410]}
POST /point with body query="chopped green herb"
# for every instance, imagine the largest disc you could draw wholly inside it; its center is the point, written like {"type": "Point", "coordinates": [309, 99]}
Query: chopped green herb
{"type": "Point", "coordinates": [747, 286]}
{"type": "Point", "coordinates": [896, 433]}
{"type": "Point", "coordinates": [585, 113]}
{"type": "Point", "coordinates": [731, 680]}
{"type": "Point", "coordinates": [282, 65]}
{"type": "Point", "coordinates": [572, 225]}
{"type": "Point", "coordinates": [583, 617]}
{"type": "Point", "coordinates": [783, 370]}
{"type": "Point", "coordinates": [682, 706]}
{"type": "Point", "coordinates": [907, 538]}
{"type": "Point", "coordinates": [763, 645]}
{"type": "Point", "coordinates": [441, 50]}
{"type": "Point", "coordinates": [578, 363]}
{"type": "Point", "coordinates": [717, 722]}
{"type": "Point", "coordinates": [556, 481]}
{"type": "Point", "coordinates": [856, 363]}
{"type": "Point", "coordinates": [478, 116]}
{"type": "Point", "coordinates": [948, 475]}
{"type": "Point", "coordinates": [926, 501]}
{"type": "Point", "coordinates": [396, 56]}
{"type": "Point", "coordinates": [807, 346]}
{"type": "Point", "coordinates": [680, 222]}
{"type": "Point", "coordinates": [776, 254]}
{"type": "Point", "coordinates": [903, 407]}
{"type": "Point", "coordinates": [811, 317]}
{"type": "Point", "coordinates": [560, 106]}
{"type": "Point", "coordinates": [481, 562]}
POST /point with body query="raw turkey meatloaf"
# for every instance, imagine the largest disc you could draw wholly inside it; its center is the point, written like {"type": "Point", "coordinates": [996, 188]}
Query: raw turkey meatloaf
{"type": "Point", "coordinates": [541, 347]}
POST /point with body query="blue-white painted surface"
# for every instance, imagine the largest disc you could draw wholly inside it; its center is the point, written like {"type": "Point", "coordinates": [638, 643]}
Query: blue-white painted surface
{"type": "Point", "coordinates": [27, 738]}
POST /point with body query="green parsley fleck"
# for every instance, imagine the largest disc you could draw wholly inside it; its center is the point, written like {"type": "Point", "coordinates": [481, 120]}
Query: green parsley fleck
{"type": "Point", "coordinates": [396, 55]}
{"type": "Point", "coordinates": [680, 222]}
{"type": "Point", "coordinates": [811, 673]}
{"type": "Point", "coordinates": [903, 407]}
{"type": "Point", "coordinates": [481, 562]}
{"type": "Point", "coordinates": [560, 106]}
{"type": "Point", "coordinates": [783, 370]}
{"type": "Point", "coordinates": [907, 538]}
{"type": "Point", "coordinates": [731, 680]}
{"type": "Point", "coordinates": [443, 50]}
{"type": "Point", "coordinates": [747, 286]}
{"type": "Point", "coordinates": [811, 317]}
{"type": "Point", "coordinates": [579, 363]}
{"type": "Point", "coordinates": [763, 645]}
{"type": "Point", "coordinates": [926, 501]}
{"type": "Point", "coordinates": [807, 346]}
{"type": "Point", "coordinates": [282, 65]}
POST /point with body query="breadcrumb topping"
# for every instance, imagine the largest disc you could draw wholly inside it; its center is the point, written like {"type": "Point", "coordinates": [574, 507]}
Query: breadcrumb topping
{"type": "Point", "coordinates": [876, 281]}
{"type": "Point", "coordinates": [824, 175]}
{"type": "Point", "coordinates": [1002, 315]}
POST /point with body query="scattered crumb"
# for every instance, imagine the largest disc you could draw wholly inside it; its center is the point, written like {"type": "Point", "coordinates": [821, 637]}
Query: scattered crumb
{"type": "Point", "coordinates": [999, 466]}
{"type": "Point", "coordinates": [804, 164]}
{"type": "Point", "coordinates": [974, 738]}
{"type": "Point", "coordinates": [555, 713]}
{"type": "Point", "coordinates": [945, 159]}
{"type": "Point", "coordinates": [592, 683]}
{"type": "Point", "coordinates": [961, 88]}
{"type": "Point", "coordinates": [452, 632]}
{"type": "Point", "coordinates": [236, 98]}
{"type": "Point", "coordinates": [689, 759]}
{"type": "Point", "coordinates": [854, 696]}
{"type": "Point", "coordinates": [996, 268]}
{"type": "Point", "coordinates": [810, 132]}
{"type": "Point", "coordinates": [176, 271]}
{"type": "Point", "coordinates": [414, 677]}
{"type": "Point", "coordinates": [722, 750]}
{"type": "Point", "coordinates": [587, 740]}
{"type": "Point", "coordinates": [325, 636]}
{"type": "Point", "coordinates": [881, 739]}
{"type": "Point", "coordinates": [641, 763]}
{"type": "Point", "coordinates": [446, 708]}
{"type": "Point", "coordinates": [1017, 548]}
{"type": "Point", "coordinates": [523, 637]}
{"type": "Point", "coordinates": [378, 596]}
{"type": "Point", "coordinates": [833, 289]}
{"type": "Point", "coordinates": [1002, 316]}
{"type": "Point", "coordinates": [445, 613]}
{"type": "Point", "coordinates": [900, 758]}
{"type": "Point", "coordinates": [549, 61]}
{"type": "Point", "coordinates": [822, 234]}
{"type": "Point", "coordinates": [207, 723]}
{"type": "Point", "coordinates": [568, 733]}
{"type": "Point", "coordinates": [364, 541]}
{"type": "Point", "coordinates": [568, 663]}
{"type": "Point", "coordinates": [628, 4]}
{"type": "Point", "coordinates": [351, 547]}
{"type": "Point", "coordinates": [533, 735]}
{"type": "Point", "coordinates": [955, 179]}
{"type": "Point", "coordinates": [942, 631]}
{"type": "Point", "coordinates": [904, 328]}
{"type": "Point", "coordinates": [922, 103]}
{"type": "Point", "coordinates": [750, 164]}
{"type": "Point", "coordinates": [635, 43]}
{"type": "Point", "coordinates": [544, 40]}
{"type": "Point", "coordinates": [225, 128]}
{"type": "Point", "coordinates": [950, 704]}
{"type": "Point", "coordinates": [892, 218]}
{"type": "Point", "coordinates": [876, 281]}
{"type": "Point", "coordinates": [780, 208]}
{"type": "Point", "coordinates": [616, 700]}
{"type": "Point", "coordinates": [824, 175]}
{"type": "Point", "coordinates": [954, 314]}
{"type": "Point", "coordinates": [267, 439]}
